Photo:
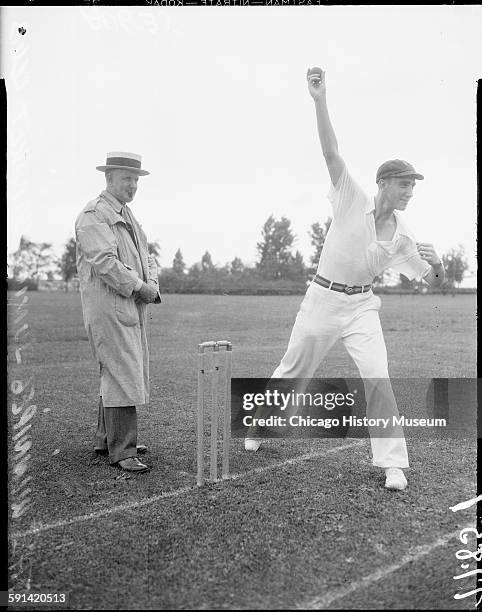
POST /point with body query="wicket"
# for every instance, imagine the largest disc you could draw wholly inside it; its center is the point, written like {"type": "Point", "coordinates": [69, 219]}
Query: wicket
{"type": "Point", "coordinates": [213, 472]}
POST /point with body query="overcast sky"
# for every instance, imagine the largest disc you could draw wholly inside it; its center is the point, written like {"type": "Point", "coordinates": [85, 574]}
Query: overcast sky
{"type": "Point", "coordinates": [215, 101]}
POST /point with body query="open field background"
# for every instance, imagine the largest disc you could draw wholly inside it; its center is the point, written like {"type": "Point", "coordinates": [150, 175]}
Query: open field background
{"type": "Point", "coordinates": [301, 524]}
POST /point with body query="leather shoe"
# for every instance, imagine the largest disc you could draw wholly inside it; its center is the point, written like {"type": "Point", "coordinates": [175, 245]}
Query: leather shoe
{"type": "Point", "coordinates": [141, 449]}
{"type": "Point", "coordinates": [132, 464]}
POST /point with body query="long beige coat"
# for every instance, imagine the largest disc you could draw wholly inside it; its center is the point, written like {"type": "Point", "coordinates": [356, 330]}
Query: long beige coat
{"type": "Point", "coordinates": [109, 266]}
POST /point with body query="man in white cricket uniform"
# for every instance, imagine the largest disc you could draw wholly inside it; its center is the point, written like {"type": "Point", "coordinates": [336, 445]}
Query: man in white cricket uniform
{"type": "Point", "coordinates": [367, 235]}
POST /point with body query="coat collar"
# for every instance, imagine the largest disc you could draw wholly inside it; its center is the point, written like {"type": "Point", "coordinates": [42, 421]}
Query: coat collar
{"type": "Point", "coordinates": [113, 201]}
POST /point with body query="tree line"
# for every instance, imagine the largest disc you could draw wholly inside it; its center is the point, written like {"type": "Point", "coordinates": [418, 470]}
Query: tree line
{"type": "Point", "coordinates": [279, 267]}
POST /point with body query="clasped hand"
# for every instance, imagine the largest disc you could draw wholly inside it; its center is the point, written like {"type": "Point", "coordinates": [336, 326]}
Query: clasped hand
{"type": "Point", "coordinates": [147, 293]}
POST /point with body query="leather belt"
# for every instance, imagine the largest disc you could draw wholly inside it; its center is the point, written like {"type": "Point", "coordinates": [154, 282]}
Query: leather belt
{"type": "Point", "coordinates": [348, 289]}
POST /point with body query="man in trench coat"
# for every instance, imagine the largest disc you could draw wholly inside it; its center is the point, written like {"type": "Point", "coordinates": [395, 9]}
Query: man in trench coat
{"type": "Point", "coordinates": [118, 278]}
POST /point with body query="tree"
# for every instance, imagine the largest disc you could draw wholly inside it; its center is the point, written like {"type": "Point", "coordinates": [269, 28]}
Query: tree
{"type": "Point", "coordinates": [68, 263]}
{"type": "Point", "coordinates": [206, 262]}
{"type": "Point", "coordinates": [154, 249]}
{"type": "Point", "coordinates": [318, 236]}
{"type": "Point", "coordinates": [295, 269]}
{"type": "Point", "coordinates": [237, 266]}
{"type": "Point", "coordinates": [178, 264]}
{"type": "Point", "coordinates": [455, 266]}
{"type": "Point", "coordinates": [32, 259]}
{"type": "Point", "coordinates": [274, 250]}
{"type": "Point", "coordinates": [195, 271]}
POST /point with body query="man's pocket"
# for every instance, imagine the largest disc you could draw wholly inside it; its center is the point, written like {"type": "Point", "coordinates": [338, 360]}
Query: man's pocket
{"type": "Point", "coordinates": [126, 310]}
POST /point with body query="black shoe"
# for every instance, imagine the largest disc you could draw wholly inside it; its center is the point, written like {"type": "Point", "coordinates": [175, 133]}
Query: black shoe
{"type": "Point", "coordinates": [132, 464]}
{"type": "Point", "coordinates": [141, 450]}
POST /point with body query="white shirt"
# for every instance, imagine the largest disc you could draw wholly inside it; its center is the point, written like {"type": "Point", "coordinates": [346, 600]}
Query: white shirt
{"type": "Point", "coordinates": [352, 254]}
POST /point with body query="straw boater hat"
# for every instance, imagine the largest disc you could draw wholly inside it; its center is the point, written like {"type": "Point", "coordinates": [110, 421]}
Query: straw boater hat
{"type": "Point", "coordinates": [123, 161]}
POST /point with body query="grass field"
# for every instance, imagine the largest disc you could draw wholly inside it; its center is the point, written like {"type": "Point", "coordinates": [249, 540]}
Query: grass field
{"type": "Point", "coordinates": [303, 524]}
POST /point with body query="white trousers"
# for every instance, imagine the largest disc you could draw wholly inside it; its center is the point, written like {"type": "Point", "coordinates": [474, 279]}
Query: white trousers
{"type": "Point", "coordinates": [326, 316]}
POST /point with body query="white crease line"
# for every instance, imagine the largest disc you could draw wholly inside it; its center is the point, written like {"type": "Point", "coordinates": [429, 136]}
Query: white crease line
{"type": "Point", "coordinates": [175, 493]}
{"type": "Point", "coordinates": [324, 601]}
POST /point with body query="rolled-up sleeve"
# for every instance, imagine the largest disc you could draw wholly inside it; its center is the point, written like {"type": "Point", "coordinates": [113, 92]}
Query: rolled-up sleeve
{"type": "Point", "coordinates": [98, 246]}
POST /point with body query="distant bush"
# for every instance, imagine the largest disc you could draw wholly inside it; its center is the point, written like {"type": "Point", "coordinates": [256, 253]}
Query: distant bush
{"type": "Point", "coordinates": [220, 281]}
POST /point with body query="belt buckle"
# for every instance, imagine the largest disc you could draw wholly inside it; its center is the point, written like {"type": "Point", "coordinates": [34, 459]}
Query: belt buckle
{"type": "Point", "coordinates": [348, 290]}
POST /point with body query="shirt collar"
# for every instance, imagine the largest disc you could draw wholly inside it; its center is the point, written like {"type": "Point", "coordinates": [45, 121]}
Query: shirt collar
{"type": "Point", "coordinates": [401, 229]}
{"type": "Point", "coordinates": [113, 201]}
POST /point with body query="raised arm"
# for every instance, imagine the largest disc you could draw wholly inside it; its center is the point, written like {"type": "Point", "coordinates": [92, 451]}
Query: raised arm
{"type": "Point", "coordinates": [329, 144]}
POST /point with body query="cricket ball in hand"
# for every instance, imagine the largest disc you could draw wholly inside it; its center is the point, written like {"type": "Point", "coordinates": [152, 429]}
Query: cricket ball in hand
{"type": "Point", "coordinates": [318, 72]}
